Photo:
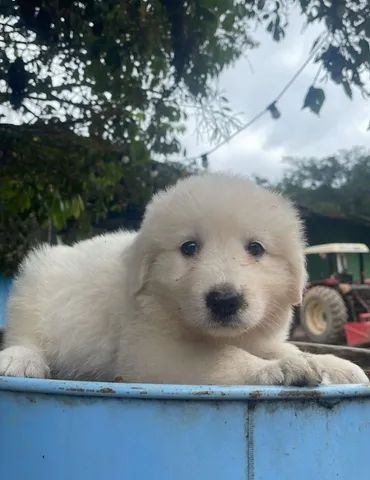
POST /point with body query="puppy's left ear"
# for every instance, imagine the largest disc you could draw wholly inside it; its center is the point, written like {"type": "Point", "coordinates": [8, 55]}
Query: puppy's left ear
{"type": "Point", "coordinates": [139, 260]}
{"type": "Point", "coordinates": [297, 267]}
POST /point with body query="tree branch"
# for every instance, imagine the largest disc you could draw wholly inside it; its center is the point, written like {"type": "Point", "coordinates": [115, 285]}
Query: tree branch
{"type": "Point", "coordinates": [61, 100]}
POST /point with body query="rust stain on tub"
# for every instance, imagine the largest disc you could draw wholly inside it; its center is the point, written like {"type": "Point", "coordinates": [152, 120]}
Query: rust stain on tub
{"type": "Point", "coordinates": [208, 392]}
{"type": "Point", "coordinates": [256, 394]}
{"type": "Point", "coordinates": [202, 392]}
{"type": "Point", "coordinates": [300, 394]}
{"type": "Point", "coordinates": [106, 390]}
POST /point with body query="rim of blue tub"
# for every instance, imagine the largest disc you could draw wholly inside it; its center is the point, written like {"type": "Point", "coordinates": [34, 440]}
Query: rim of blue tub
{"type": "Point", "coordinates": [178, 392]}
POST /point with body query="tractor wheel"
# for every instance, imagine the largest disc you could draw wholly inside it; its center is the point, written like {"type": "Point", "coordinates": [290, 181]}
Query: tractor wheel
{"type": "Point", "coordinates": [323, 315]}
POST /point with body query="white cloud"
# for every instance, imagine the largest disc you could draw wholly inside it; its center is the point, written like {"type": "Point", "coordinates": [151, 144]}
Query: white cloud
{"type": "Point", "coordinates": [250, 154]}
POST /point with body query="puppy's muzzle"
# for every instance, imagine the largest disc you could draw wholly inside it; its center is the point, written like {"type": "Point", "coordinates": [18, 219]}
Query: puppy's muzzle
{"type": "Point", "coordinates": [224, 302]}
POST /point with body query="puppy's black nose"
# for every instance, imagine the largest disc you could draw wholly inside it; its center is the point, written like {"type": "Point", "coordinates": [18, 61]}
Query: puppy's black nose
{"type": "Point", "coordinates": [224, 301]}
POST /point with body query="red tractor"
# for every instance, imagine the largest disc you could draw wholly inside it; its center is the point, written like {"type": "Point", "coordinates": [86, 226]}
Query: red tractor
{"type": "Point", "coordinates": [336, 302]}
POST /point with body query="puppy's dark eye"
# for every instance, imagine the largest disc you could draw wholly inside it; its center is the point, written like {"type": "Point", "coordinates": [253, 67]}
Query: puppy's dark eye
{"type": "Point", "coordinates": [256, 249]}
{"type": "Point", "coordinates": [189, 249]}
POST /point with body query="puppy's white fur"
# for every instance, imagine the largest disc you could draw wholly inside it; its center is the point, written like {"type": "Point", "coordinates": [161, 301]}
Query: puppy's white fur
{"type": "Point", "coordinates": [131, 304]}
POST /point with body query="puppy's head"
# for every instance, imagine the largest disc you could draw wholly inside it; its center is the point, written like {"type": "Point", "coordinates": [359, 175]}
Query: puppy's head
{"type": "Point", "coordinates": [220, 254]}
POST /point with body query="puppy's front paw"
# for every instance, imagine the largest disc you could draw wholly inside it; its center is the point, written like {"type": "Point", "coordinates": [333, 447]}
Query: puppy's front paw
{"type": "Point", "coordinates": [23, 362]}
{"type": "Point", "coordinates": [297, 370]}
{"type": "Point", "coordinates": [336, 370]}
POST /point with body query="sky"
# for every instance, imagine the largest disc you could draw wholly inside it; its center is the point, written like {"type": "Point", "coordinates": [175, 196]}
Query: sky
{"type": "Point", "coordinates": [254, 81]}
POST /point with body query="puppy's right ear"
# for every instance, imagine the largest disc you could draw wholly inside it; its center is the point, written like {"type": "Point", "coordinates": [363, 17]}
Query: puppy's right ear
{"type": "Point", "coordinates": [138, 264]}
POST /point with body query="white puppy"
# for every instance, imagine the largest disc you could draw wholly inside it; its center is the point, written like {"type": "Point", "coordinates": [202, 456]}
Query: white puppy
{"type": "Point", "coordinates": [203, 293]}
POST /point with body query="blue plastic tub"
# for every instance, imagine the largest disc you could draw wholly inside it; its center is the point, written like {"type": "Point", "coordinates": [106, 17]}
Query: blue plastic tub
{"type": "Point", "coordinates": [80, 430]}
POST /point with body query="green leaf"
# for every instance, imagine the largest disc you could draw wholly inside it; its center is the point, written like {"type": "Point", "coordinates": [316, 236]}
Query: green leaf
{"type": "Point", "coordinates": [314, 99]}
{"type": "Point", "coordinates": [347, 89]}
{"type": "Point", "coordinates": [229, 22]}
{"type": "Point", "coordinates": [76, 206]}
{"type": "Point", "coordinates": [57, 220]}
{"type": "Point", "coordinates": [205, 161]}
{"type": "Point", "coordinates": [365, 50]}
{"type": "Point", "coordinates": [275, 112]}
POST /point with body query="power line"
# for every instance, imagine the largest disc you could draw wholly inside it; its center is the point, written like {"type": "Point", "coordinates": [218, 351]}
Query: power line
{"type": "Point", "coordinates": [271, 107]}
